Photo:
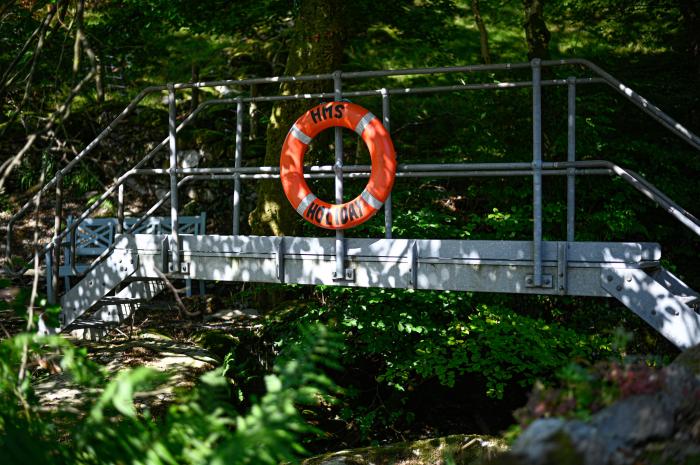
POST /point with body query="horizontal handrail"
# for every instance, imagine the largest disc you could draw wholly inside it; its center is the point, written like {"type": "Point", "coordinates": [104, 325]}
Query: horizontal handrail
{"type": "Point", "coordinates": [586, 167]}
{"type": "Point", "coordinates": [637, 99]}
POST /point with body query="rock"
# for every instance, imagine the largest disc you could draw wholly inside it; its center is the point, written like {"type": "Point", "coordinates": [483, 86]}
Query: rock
{"type": "Point", "coordinates": [553, 441]}
{"type": "Point", "coordinates": [661, 427]}
{"type": "Point", "coordinates": [637, 419]}
{"type": "Point", "coordinates": [189, 158]}
{"type": "Point", "coordinates": [463, 449]}
{"type": "Point", "coordinates": [689, 359]}
{"type": "Point", "coordinates": [592, 446]}
{"type": "Point", "coordinates": [216, 341]}
{"type": "Point", "coordinates": [230, 315]}
{"type": "Point", "coordinates": [671, 452]}
{"type": "Point", "coordinates": [540, 442]}
{"type": "Point", "coordinates": [534, 439]}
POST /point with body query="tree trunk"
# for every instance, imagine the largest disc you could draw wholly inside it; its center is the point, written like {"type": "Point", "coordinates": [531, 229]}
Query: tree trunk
{"type": "Point", "coordinates": [253, 114]}
{"type": "Point", "coordinates": [690, 9]}
{"type": "Point", "coordinates": [316, 47]}
{"type": "Point", "coordinates": [536, 33]}
{"type": "Point", "coordinates": [483, 33]}
{"type": "Point", "coordinates": [194, 103]}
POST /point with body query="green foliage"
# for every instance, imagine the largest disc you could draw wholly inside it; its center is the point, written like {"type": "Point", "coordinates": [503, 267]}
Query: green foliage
{"type": "Point", "coordinates": [413, 337]}
{"type": "Point", "coordinates": [201, 426]}
{"type": "Point", "coordinates": [25, 431]}
{"type": "Point", "coordinates": [20, 303]}
{"type": "Point", "coordinates": [83, 179]}
{"type": "Point", "coordinates": [502, 346]}
{"type": "Point", "coordinates": [583, 389]}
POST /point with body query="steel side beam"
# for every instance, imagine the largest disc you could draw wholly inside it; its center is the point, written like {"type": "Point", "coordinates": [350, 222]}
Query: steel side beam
{"type": "Point", "coordinates": [478, 266]}
{"type": "Point", "coordinates": [658, 306]}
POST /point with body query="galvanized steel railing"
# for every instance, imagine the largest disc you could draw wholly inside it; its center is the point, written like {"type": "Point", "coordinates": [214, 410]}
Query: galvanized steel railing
{"type": "Point", "coordinates": [537, 168]}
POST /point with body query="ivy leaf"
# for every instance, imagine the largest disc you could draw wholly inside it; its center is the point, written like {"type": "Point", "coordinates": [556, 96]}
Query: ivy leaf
{"type": "Point", "coordinates": [120, 391]}
{"type": "Point", "coordinates": [51, 316]}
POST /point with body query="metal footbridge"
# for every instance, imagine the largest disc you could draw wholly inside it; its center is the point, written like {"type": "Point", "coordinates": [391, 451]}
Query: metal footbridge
{"type": "Point", "coordinates": [130, 271]}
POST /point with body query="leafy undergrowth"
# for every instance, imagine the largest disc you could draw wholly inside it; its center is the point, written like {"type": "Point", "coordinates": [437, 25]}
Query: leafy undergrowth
{"type": "Point", "coordinates": [201, 426]}
{"type": "Point", "coordinates": [433, 363]}
{"type": "Point", "coordinates": [581, 390]}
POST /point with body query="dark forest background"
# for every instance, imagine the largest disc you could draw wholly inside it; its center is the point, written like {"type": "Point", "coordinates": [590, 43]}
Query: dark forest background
{"type": "Point", "coordinates": [371, 365]}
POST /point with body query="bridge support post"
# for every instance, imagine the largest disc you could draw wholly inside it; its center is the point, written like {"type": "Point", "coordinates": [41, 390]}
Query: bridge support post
{"type": "Point", "coordinates": [537, 171]}
{"type": "Point", "coordinates": [120, 209]}
{"type": "Point", "coordinates": [174, 205]}
{"type": "Point", "coordinates": [386, 121]}
{"type": "Point", "coordinates": [571, 157]}
{"type": "Point", "coordinates": [340, 273]}
{"type": "Point", "coordinates": [236, 227]}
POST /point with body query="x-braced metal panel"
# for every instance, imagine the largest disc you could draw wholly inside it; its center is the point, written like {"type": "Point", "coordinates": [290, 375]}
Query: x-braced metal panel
{"type": "Point", "coordinates": [98, 282]}
{"type": "Point", "coordinates": [656, 302]}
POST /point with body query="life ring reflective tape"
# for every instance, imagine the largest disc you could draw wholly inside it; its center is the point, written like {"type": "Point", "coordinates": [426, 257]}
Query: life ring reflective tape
{"type": "Point", "coordinates": [381, 180]}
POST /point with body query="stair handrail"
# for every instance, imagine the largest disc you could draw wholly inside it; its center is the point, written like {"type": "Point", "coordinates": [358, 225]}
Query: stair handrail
{"type": "Point", "coordinates": [118, 182]}
{"type": "Point", "coordinates": [642, 103]}
{"type": "Point", "coordinates": [127, 111]}
{"type": "Point", "coordinates": [66, 169]}
{"type": "Point", "coordinates": [639, 183]}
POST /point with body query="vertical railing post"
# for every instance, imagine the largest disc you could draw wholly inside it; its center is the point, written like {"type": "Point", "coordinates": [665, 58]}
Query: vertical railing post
{"type": "Point", "coordinates": [174, 206]}
{"type": "Point", "coordinates": [8, 239]}
{"type": "Point", "coordinates": [56, 252]}
{"type": "Point", "coordinates": [120, 209]}
{"type": "Point", "coordinates": [537, 171]}
{"type": "Point", "coordinates": [386, 121]}
{"type": "Point", "coordinates": [571, 157]}
{"type": "Point", "coordinates": [237, 164]}
{"type": "Point", "coordinates": [339, 274]}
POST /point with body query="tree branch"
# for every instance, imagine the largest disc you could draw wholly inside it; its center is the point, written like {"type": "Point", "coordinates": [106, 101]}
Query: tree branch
{"type": "Point", "coordinates": [34, 60]}
{"type": "Point", "coordinates": [483, 33]}
{"type": "Point", "coordinates": [56, 117]}
{"type": "Point", "coordinates": [6, 7]}
{"type": "Point", "coordinates": [92, 56]}
{"type": "Point", "coordinates": [35, 285]}
{"type": "Point", "coordinates": [5, 80]}
{"type": "Point", "coordinates": [78, 35]}
{"type": "Point", "coordinates": [180, 304]}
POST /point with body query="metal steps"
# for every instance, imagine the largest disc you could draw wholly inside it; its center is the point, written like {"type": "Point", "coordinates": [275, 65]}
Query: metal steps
{"type": "Point", "coordinates": [656, 302]}
{"type": "Point", "coordinates": [112, 311]}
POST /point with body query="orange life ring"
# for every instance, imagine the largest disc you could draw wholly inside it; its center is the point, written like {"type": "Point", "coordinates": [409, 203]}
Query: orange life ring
{"type": "Point", "coordinates": [381, 180]}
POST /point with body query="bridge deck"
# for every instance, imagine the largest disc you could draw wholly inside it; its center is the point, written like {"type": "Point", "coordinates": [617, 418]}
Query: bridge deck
{"type": "Point", "coordinates": [572, 268]}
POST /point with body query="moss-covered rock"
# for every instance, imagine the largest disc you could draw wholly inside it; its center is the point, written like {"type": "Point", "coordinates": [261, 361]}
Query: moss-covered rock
{"type": "Point", "coordinates": [690, 359]}
{"type": "Point", "coordinates": [674, 452]}
{"type": "Point", "coordinates": [217, 342]}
